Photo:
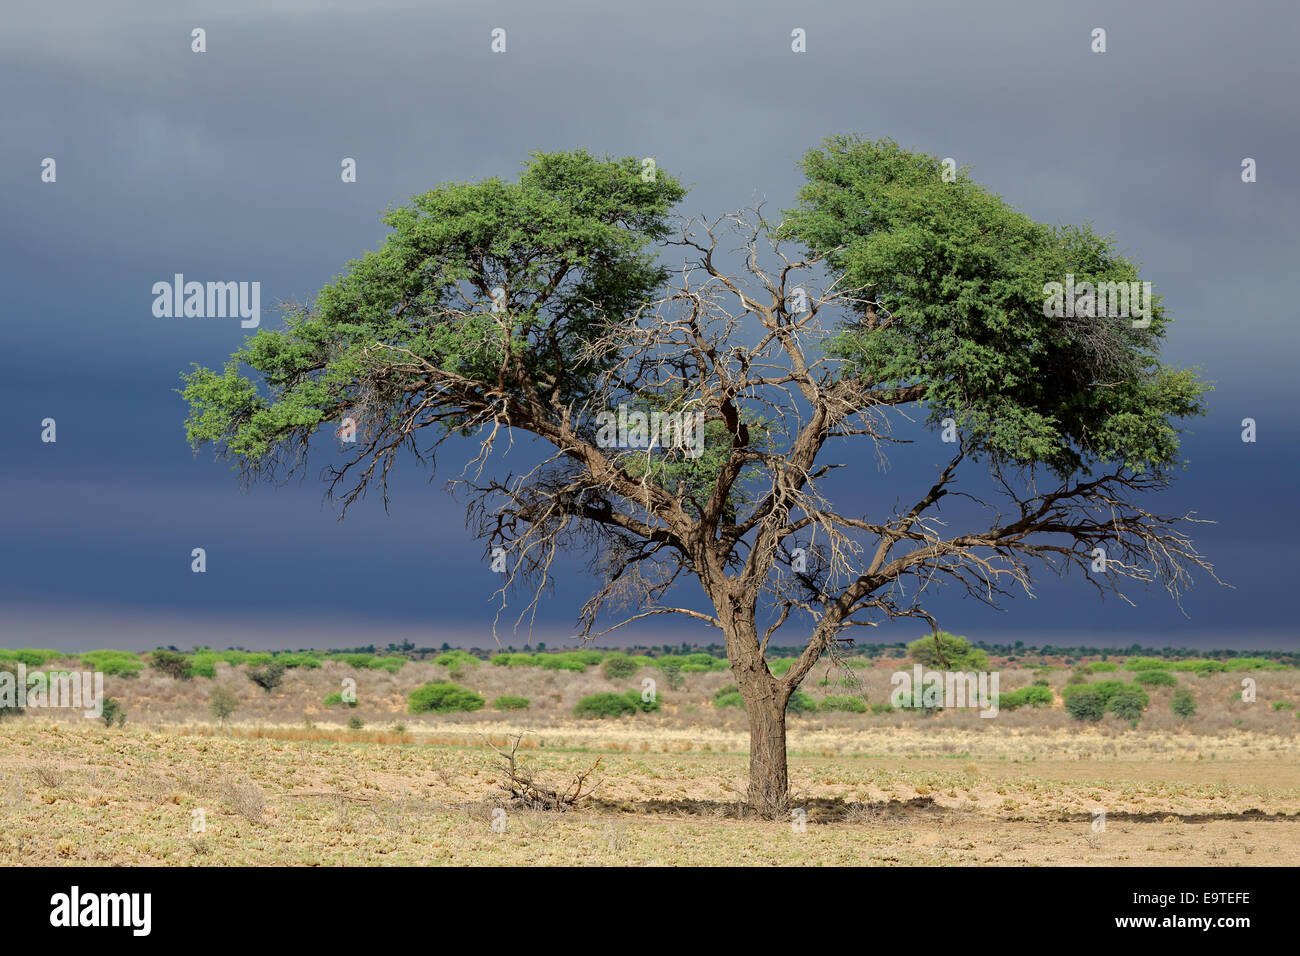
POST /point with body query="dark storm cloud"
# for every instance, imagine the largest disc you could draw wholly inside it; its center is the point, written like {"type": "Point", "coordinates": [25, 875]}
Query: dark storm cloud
{"type": "Point", "coordinates": [225, 165]}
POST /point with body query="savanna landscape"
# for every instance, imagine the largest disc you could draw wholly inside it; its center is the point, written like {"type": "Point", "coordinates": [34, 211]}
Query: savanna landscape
{"type": "Point", "coordinates": [201, 764]}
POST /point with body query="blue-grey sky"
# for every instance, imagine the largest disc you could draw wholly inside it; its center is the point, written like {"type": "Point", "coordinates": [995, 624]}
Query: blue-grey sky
{"type": "Point", "coordinates": [224, 165]}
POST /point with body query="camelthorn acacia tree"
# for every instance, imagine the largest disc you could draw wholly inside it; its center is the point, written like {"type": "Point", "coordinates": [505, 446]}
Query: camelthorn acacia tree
{"type": "Point", "coordinates": [496, 309]}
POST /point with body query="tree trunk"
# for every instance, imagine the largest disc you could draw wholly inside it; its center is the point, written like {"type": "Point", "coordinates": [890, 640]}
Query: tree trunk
{"type": "Point", "coordinates": [769, 783]}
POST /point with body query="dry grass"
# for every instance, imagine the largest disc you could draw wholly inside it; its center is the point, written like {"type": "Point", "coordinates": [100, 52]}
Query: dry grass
{"type": "Point", "coordinates": [998, 796]}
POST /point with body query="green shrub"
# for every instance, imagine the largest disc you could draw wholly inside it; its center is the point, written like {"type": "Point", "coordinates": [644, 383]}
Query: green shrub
{"type": "Point", "coordinates": [1103, 688]}
{"type": "Point", "coordinates": [355, 722]}
{"type": "Point", "coordinates": [607, 704]}
{"type": "Point", "coordinates": [781, 666]}
{"type": "Point", "coordinates": [618, 666]}
{"type": "Point", "coordinates": [957, 653]}
{"type": "Point", "coordinates": [1252, 664]}
{"type": "Point", "coordinates": [846, 702]}
{"type": "Point", "coordinates": [614, 705]}
{"type": "Point", "coordinates": [1156, 678]}
{"type": "Point", "coordinates": [672, 671]}
{"type": "Point", "coordinates": [390, 664]}
{"type": "Point", "coordinates": [336, 700]}
{"type": "Point", "coordinates": [1128, 702]}
{"type": "Point", "coordinates": [359, 661]}
{"type": "Point", "coordinates": [30, 656]}
{"type": "Point", "coordinates": [456, 661]}
{"type": "Point", "coordinates": [731, 698]}
{"type": "Point", "coordinates": [800, 703]}
{"type": "Point", "coordinates": [267, 676]}
{"type": "Point", "coordinates": [515, 660]}
{"type": "Point", "coordinates": [1035, 695]}
{"type": "Point", "coordinates": [1283, 705]}
{"type": "Point", "coordinates": [1098, 667]}
{"type": "Point", "coordinates": [443, 698]}
{"type": "Point", "coordinates": [113, 712]}
{"type": "Point", "coordinates": [1199, 666]}
{"type": "Point", "coordinates": [222, 703]}
{"type": "Point", "coordinates": [575, 661]}
{"type": "Point", "coordinates": [1085, 704]}
{"type": "Point", "coordinates": [294, 659]}
{"type": "Point", "coordinates": [511, 702]}
{"type": "Point", "coordinates": [115, 663]}
{"type": "Point", "coordinates": [1183, 703]}
{"type": "Point", "coordinates": [174, 665]}
{"type": "Point", "coordinates": [1147, 663]}
{"type": "Point", "coordinates": [204, 665]}
{"type": "Point", "coordinates": [882, 708]}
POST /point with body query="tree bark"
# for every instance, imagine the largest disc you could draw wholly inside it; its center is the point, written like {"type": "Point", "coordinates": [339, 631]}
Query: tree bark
{"type": "Point", "coordinates": [769, 782]}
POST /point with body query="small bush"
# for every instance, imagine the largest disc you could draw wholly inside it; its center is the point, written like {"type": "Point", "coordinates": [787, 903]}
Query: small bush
{"type": "Point", "coordinates": [359, 661]}
{"type": "Point", "coordinates": [308, 662]}
{"type": "Point", "coordinates": [1183, 703]}
{"type": "Point", "coordinates": [355, 722]}
{"type": "Point", "coordinates": [614, 705]}
{"type": "Point", "coordinates": [113, 663]}
{"type": "Point", "coordinates": [882, 708]}
{"type": "Point", "coordinates": [1102, 688]}
{"type": "Point", "coordinates": [846, 702]}
{"type": "Point", "coordinates": [948, 652]}
{"type": "Point", "coordinates": [1098, 667]}
{"type": "Point", "coordinates": [1148, 663]}
{"type": "Point", "coordinates": [1156, 678]}
{"type": "Point", "coordinates": [30, 656]}
{"type": "Point", "coordinates": [222, 703]}
{"type": "Point", "coordinates": [1086, 704]}
{"type": "Point", "coordinates": [444, 698]}
{"type": "Point", "coordinates": [1200, 666]}
{"type": "Point", "coordinates": [336, 700]}
{"type": "Point", "coordinates": [456, 662]}
{"type": "Point", "coordinates": [1036, 695]}
{"type": "Point", "coordinates": [113, 712]}
{"type": "Point", "coordinates": [514, 660]}
{"type": "Point", "coordinates": [800, 703]}
{"type": "Point", "coordinates": [1128, 702]}
{"type": "Point", "coordinates": [204, 665]}
{"type": "Point", "coordinates": [672, 671]}
{"type": "Point", "coordinates": [174, 665]}
{"type": "Point", "coordinates": [732, 699]}
{"type": "Point", "coordinates": [268, 676]}
{"type": "Point", "coordinates": [1252, 664]}
{"type": "Point", "coordinates": [618, 666]}
{"type": "Point", "coordinates": [511, 702]}
{"type": "Point", "coordinates": [574, 661]}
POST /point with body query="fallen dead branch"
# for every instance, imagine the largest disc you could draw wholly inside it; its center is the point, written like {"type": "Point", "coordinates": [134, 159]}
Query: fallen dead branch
{"type": "Point", "coordinates": [523, 787]}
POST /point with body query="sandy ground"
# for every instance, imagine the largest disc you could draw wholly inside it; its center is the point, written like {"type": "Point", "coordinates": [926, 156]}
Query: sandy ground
{"type": "Point", "coordinates": [74, 793]}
